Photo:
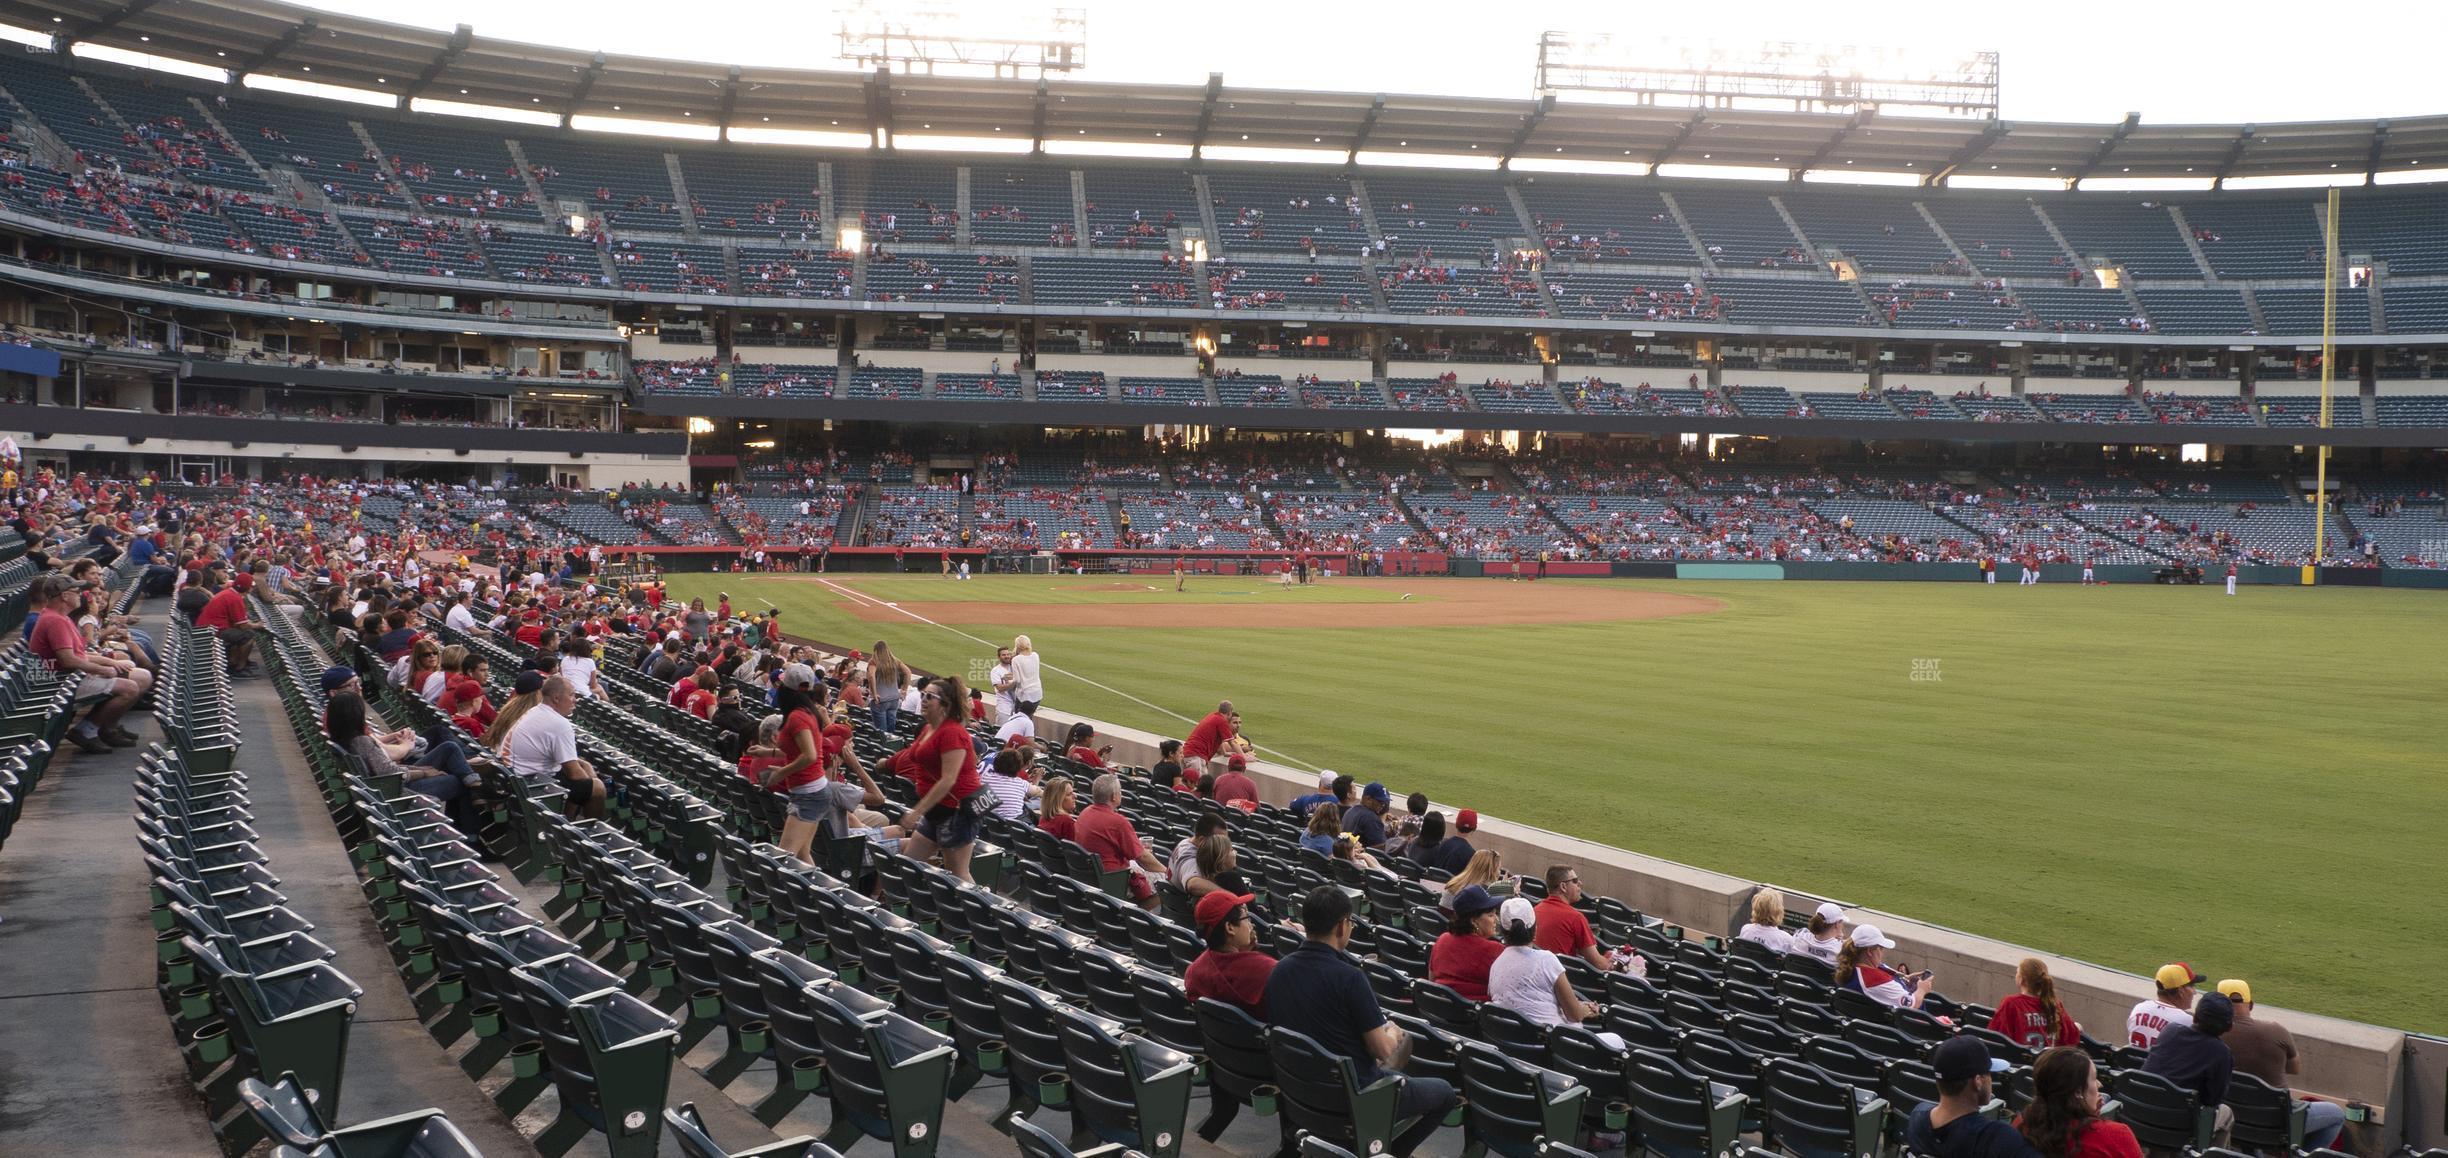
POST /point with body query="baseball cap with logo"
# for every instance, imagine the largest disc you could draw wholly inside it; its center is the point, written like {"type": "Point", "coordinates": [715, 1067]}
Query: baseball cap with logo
{"type": "Point", "coordinates": [1467, 820]}
{"type": "Point", "coordinates": [2236, 991]}
{"type": "Point", "coordinates": [1517, 911]}
{"type": "Point", "coordinates": [1375, 791]}
{"type": "Point", "coordinates": [798, 675]}
{"type": "Point", "coordinates": [1216, 907]}
{"type": "Point", "coordinates": [2176, 976]}
{"type": "Point", "coordinates": [1964, 1057]}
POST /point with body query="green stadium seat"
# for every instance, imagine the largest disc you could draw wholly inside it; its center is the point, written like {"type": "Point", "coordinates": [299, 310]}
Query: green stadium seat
{"type": "Point", "coordinates": [1514, 1108]}
{"type": "Point", "coordinates": [1813, 1115]}
{"type": "Point", "coordinates": [689, 1130]}
{"type": "Point", "coordinates": [291, 1119]}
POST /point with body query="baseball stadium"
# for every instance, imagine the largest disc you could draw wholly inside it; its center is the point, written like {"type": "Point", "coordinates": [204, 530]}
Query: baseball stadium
{"type": "Point", "coordinates": [879, 586]}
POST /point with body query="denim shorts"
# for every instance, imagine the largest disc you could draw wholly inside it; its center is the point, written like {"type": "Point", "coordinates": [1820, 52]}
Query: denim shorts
{"type": "Point", "coordinates": [949, 827]}
{"type": "Point", "coordinates": [812, 807]}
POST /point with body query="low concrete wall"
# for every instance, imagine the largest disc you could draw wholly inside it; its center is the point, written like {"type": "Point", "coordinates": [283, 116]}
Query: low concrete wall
{"type": "Point", "coordinates": [2341, 1059]}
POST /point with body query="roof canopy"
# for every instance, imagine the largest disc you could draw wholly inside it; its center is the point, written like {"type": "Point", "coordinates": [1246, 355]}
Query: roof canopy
{"type": "Point", "coordinates": [262, 36]}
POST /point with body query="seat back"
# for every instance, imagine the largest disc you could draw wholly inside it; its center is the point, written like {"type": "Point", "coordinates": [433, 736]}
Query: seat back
{"type": "Point", "coordinates": [2266, 1118]}
{"type": "Point", "coordinates": [1323, 1095]}
{"type": "Point", "coordinates": [1814, 1115]}
{"type": "Point", "coordinates": [2162, 1115]}
{"type": "Point", "coordinates": [1514, 1108]}
{"type": "Point", "coordinates": [1238, 1056]}
{"type": "Point", "coordinates": [1678, 1112]}
{"type": "Point", "coordinates": [1517, 1036]}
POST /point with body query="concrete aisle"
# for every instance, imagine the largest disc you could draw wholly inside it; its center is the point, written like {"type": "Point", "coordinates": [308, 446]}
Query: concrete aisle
{"type": "Point", "coordinates": [394, 1066]}
{"type": "Point", "coordinates": [87, 1061]}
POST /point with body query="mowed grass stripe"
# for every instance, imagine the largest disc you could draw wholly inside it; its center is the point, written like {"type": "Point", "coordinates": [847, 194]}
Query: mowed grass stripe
{"type": "Point", "coordinates": [2129, 775]}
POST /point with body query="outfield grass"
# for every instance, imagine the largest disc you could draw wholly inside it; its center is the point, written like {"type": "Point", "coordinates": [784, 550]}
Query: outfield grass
{"type": "Point", "coordinates": [2128, 775]}
{"type": "Point", "coordinates": [1036, 589]}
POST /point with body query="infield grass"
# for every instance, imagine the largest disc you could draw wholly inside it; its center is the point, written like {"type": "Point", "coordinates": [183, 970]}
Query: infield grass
{"type": "Point", "coordinates": [2127, 775]}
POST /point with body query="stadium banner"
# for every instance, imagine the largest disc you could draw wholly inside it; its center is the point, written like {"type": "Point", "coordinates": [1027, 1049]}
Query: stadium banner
{"type": "Point", "coordinates": [33, 360]}
{"type": "Point", "coordinates": [1732, 571]}
{"type": "Point", "coordinates": [1628, 569]}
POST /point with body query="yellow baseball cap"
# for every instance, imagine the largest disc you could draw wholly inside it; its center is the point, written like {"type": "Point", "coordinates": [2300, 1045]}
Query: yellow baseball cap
{"type": "Point", "coordinates": [2176, 976]}
{"type": "Point", "coordinates": [2235, 990]}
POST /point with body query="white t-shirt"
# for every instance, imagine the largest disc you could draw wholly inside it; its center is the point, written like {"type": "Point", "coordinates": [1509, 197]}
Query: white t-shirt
{"type": "Point", "coordinates": [435, 685]}
{"type": "Point", "coordinates": [1769, 935]}
{"type": "Point", "coordinates": [459, 618]}
{"type": "Point", "coordinates": [1523, 980]}
{"type": "Point", "coordinates": [909, 698]}
{"type": "Point", "coordinates": [1028, 683]}
{"type": "Point", "coordinates": [541, 742]}
{"type": "Point", "coordinates": [1809, 946]}
{"type": "Point", "coordinates": [2149, 1019]}
{"type": "Point", "coordinates": [1020, 726]}
{"type": "Point", "coordinates": [1002, 695]}
{"type": "Point", "coordinates": [579, 670]}
{"type": "Point", "coordinates": [1010, 794]}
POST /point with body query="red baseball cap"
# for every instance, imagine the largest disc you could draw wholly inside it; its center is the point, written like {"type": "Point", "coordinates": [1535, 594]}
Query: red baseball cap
{"type": "Point", "coordinates": [1467, 820]}
{"type": "Point", "coordinates": [1216, 906]}
{"type": "Point", "coordinates": [1239, 762]}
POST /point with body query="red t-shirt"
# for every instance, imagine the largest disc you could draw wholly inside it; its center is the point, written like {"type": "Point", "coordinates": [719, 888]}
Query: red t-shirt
{"type": "Point", "coordinates": [798, 723]}
{"type": "Point", "coordinates": [1461, 963]}
{"type": "Point", "coordinates": [1065, 827]}
{"type": "Point", "coordinates": [701, 705]}
{"type": "Point", "coordinates": [680, 691]}
{"type": "Point", "coordinates": [926, 762]}
{"type": "Point", "coordinates": [1086, 756]}
{"type": "Point", "coordinates": [1232, 978]}
{"type": "Point", "coordinates": [1233, 786]}
{"type": "Point", "coordinates": [1209, 735]}
{"type": "Point", "coordinates": [1562, 930]}
{"type": "Point", "coordinates": [54, 635]}
{"type": "Point", "coordinates": [528, 633]}
{"type": "Point", "coordinates": [2099, 1138]}
{"type": "Point", "coordinates": [2020, 1017]}
{"type": "Point", "coordinates": [753, 767]}
{"type": "Point", "coordinates": [1108, 834]}
{"type": "Point", "coordinates": [227, 608]}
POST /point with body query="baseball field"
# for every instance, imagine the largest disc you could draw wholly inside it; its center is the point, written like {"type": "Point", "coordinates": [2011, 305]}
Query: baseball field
{"type": "Point", "coordinates": [2127, 775]}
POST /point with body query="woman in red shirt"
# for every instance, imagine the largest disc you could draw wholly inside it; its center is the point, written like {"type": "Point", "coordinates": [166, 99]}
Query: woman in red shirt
{"type": "Point", "coordinates": [2063, 1119]}
{"type": "Point", "coordinates": [943, 763]}
{"type": "Point", "coordinates": [2034, 1018]}
{"type": "Point", "coordinates": [1462, 955]}
{"type": "Point", "coordinates": [1057, 810]}
{"type": "Point", "coordinates": [801, 773]}
{"type": "Point", "coordinates": [1082, 746]}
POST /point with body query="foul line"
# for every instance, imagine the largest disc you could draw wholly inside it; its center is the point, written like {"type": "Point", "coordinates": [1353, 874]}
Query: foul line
{"type": "Point", "coordinates": [1157, 708]}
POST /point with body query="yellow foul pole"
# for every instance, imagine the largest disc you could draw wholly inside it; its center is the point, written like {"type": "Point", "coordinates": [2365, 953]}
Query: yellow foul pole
{"type": "Point", "coordinates": [2329, 278]}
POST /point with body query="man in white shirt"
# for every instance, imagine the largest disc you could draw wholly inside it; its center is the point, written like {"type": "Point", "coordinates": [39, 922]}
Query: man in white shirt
{"type": "Point", "coordinates": [544, 745]}
{"type": "Point", "coordinates": [2172, 1005]}
{"type": "Point", "coordinates": [1000, 679]}
{"type": "Point", "coordinates": [1019, 726]}
{"type": "Point", "coordinates": [459, 618]}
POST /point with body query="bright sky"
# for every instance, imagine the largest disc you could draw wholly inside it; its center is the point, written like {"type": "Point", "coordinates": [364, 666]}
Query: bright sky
{"type": "Point", "coordinates": [2072, 60]}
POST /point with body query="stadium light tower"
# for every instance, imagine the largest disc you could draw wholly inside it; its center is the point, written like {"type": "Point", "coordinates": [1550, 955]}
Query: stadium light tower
{"type": "Point", "coordinates": [1781, 76]}
{"type": "Point", "coordinates": [1000, 42]}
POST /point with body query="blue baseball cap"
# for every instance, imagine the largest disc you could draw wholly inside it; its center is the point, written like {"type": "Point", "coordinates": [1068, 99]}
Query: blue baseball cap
{"type": "Point", "coordinates": [1375, 791]}
{"type": "Point", "coordinates": [1472, 901]}
{"type": "Point", "coordinates": [336, 677]}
